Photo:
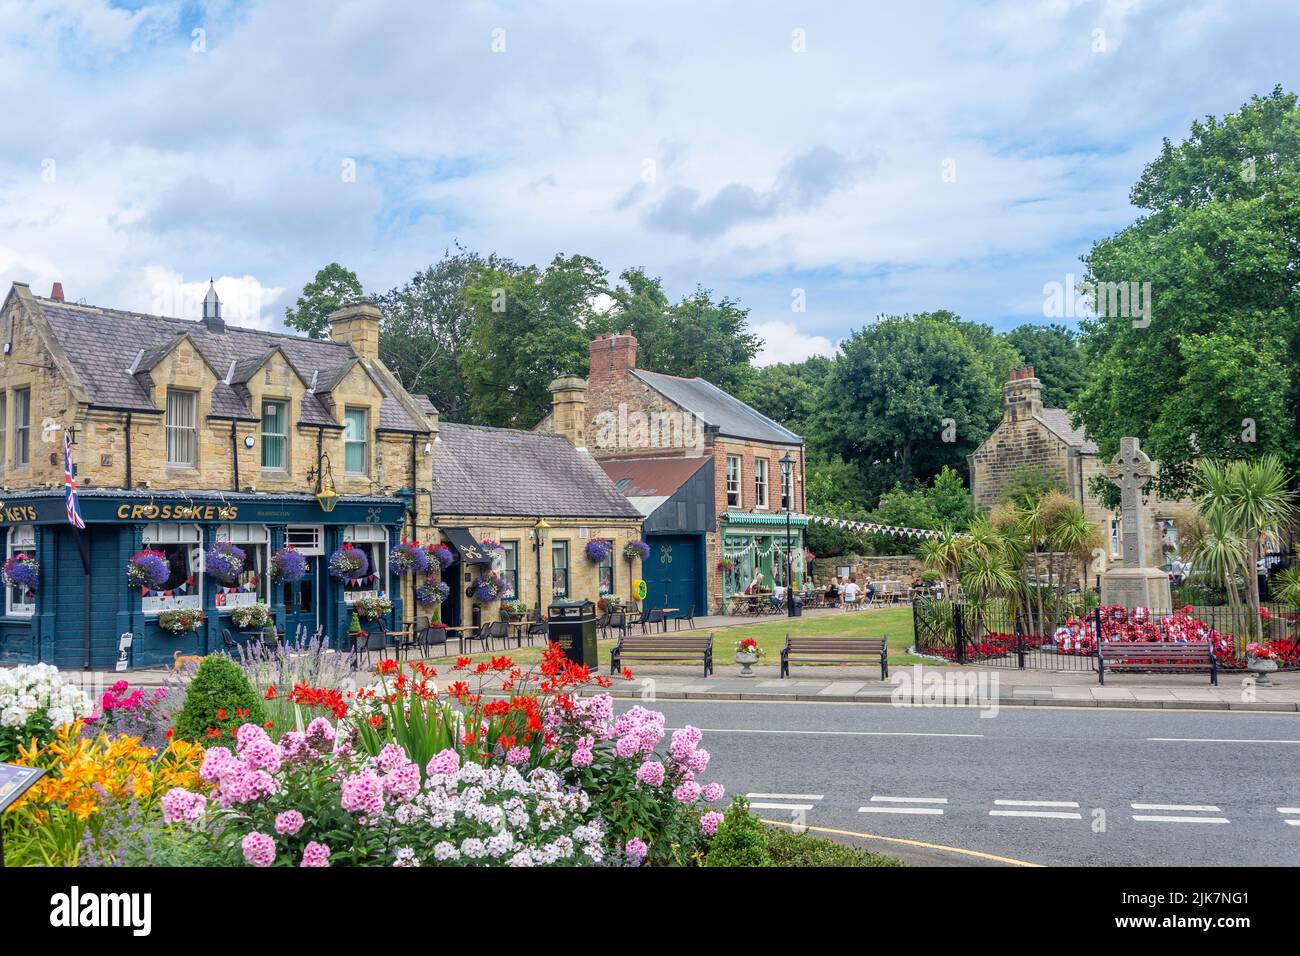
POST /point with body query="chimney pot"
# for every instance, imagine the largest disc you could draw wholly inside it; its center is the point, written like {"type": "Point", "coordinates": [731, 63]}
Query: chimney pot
{"type": "Point", "coordinates": [56, 293]}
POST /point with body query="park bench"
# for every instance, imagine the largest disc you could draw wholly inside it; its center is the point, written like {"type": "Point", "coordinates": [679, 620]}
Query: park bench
{"type": "Point", "coordinates": [662, 648]}
{"type": "Point", "coordinates": [1193, 656]}
{"type": "Point", "coordinates": [839, 650]}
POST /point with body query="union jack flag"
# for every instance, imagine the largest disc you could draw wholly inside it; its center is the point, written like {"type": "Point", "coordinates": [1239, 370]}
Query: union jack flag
{"type": "Point", "coordinates": [70, 483]}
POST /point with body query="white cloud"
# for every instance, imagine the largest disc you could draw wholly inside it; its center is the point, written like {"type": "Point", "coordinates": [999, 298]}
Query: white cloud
{"type": "Point", "coordinates": [783, 342]}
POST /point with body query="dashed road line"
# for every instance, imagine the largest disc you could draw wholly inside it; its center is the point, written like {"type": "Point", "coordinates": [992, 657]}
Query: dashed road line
{"type": "Point", "coordinates": [759, 801]}
{"type": "Point", "coordinates": [876, 798]}
{"type": "Point", "coordinates": [1041, 814]}
{"type": "Point", "coordinates": [1068, 804]}
{"type": "Point", "coordinates": [1188, 807]}
{"type": "Point", "coordinates": [913, 811]}
{"type": "Point", "coordinates": [1149, 818]}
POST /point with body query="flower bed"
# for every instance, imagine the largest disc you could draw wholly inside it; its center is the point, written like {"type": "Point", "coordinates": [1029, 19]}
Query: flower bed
{"type": "Point", "coordinates": [34, 702]}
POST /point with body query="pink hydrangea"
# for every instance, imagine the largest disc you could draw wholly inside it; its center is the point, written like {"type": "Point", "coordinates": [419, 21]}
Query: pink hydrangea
{"type": "Point", "coordinates": [288, 823]}
{"type": "Point", "coordinates": [713, 792]}
{"type": "Point", "coordinates": [688, 792]}
{"type": "Point", "coordinates": [650, 773]}
{"type": "Point", "coordinates": [635, 850]}
{"type": "Point", "coordinates": [182, 806]}
{"type": "Point", "coordinates": [709, 822]}
{"type": "Point", "coordinates": [315, 855]}
{"type": "Point", "coordinates": [363, 793]}
{"type": "Point", "coordinates": [259, 849]}
{"type": "Point", "coordinates": [445, 762]}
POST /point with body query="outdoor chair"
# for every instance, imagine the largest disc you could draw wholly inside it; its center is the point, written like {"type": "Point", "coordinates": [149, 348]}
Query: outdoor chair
{"type": "Point", "coordinates": [375, 641]}
{"type": "Point", "coordinates": [652, 617]}
{"type": "Point", "coordinates": [539, 629]}
{"type": "Point", "coordinates": [688, 617]}
{"type": "Point", "coordinates": [616, 623]}
{"type": "Point", "coordinates": [416, 636]}
{"type": "Point", "coordinates": [228, 640]}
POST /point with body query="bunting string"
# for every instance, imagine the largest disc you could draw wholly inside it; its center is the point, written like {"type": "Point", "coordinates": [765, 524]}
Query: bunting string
{"type": "Point", "coordinates": [871, 527]}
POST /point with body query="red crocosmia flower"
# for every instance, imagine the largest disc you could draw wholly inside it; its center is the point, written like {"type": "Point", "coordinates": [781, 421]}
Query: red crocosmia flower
{"type": "Point", "coordinates": [502, 663]}
{"type": "Point", "coordinates": [462, 663]}
{"type": "Point", "coordinates": [213, 732]}
{"type": "Point", "coordinates": [377, 720]}
{"type": "Point", "coordinates": [269, 725]}
{"type": "Point", "coordinates": [241, 711]}
{"type": "Point", "coordinates": [171, 731]}
{"type": "Point", "coordinates": [498, 708]}
{"type": "Point", "coordinates": [388, 666]}
{"type": "Point", "coordinates": [469, 739]}
{"type": "Point", "coordinates": [627, 673]}
{"type": "Point", "coordinates": [270, 693]}
{"type": "Point", "coordinates": [221, 714]}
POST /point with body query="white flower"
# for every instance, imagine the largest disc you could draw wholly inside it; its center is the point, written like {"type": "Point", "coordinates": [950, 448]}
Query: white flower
{"type": "Point", "coordinates": [445, 851]}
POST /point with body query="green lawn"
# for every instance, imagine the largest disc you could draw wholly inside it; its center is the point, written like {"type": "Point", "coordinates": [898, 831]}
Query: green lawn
{"type": "Point", "coordinates": [894, 623]}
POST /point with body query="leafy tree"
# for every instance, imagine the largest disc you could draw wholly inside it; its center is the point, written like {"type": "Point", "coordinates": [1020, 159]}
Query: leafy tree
{"type": "Point", "coordinates": [528, 325]}
{"type": "Point", "coordinates": [333, 288]}
{"type": "Point", "coordinates": [1028, 484]}
{"type": "Point", "coordinates": [425, 323]}
{"type": "Point", "coordinates": [793, 394]}
{"type": "Point", "coordinates": [1053, 351]}
{"type": "Point", "coordinates": [695, 337]}
{"type": "Point", "coordinates": [1217, 371]}
{"type": "Point", "coordinates": [945, 502]}
{"type": "Point", "coordinates": [905, 386]}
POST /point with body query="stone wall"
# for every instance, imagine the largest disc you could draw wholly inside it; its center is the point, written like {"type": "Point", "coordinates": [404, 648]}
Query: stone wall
{"type": "Point", "coordinates": [885, 567]}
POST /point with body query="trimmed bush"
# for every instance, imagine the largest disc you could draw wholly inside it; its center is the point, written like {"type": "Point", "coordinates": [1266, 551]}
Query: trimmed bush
{"type": "Point", "coordinates": [221, 698]}
{"type": "Point", "coordinates": [741, 839]}
{"type": "Point", "coordinates": [799, 849]}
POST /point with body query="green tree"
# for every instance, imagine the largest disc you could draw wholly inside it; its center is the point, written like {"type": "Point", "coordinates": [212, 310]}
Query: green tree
{"type": "Point", "coordinates": [1219, 241]}
{"type": "Point", "coordinates": [425, 323]}
{"type": "Point", "coordinates": [1053, 351]}
{"type": "Point", "coordinates": [528, 326]}
{"type": "Point", "coordinates": [333, 288]}
{"type": "Point", "coordinates": [793, 393]}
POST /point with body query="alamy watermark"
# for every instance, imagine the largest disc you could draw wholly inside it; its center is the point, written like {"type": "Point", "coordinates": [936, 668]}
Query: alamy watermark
{"type": "Point", "coordinates": [919, 687]}
{"type": "Point", "coordinates": [625, 430]}
{"type": "Point", "coordinates": [1076, 300]}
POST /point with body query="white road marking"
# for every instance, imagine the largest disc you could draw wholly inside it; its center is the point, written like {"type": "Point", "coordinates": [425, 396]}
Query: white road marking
{"type": "Point", "coordinates": [1292, 823]}
{"type": "Point", "coordinates": [784, 796]}
{"type": "Point", "coordinates": [932, 811]}
{"type": "Point", "coordinates": [1035, 803]}
{"type": "Point", "coordinates": [1295, 810]}
{"type": "Point", "coordinates": [1190, 808]}
{"type": "Point", "coordinates": [757, 805]}
{"type": "Point", "coordinates": [1047, 814]}
{"type": "Point", "coordinates": [1159, 819]}
{"type": "Point", "coordinates": [830, 733]}
{"type": "Point", "coordinates": [1216, 740]}
{"type": "Point", "coordinates": [879, 799]}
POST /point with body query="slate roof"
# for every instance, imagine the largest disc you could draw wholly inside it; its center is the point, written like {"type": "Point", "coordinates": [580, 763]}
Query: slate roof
{"type": "Point", "coordinates": [102, 344]}
{"type": "Point", "coordinates": [1057, 421]}
{"type": "Point", "coordinates": [504, 471]}
{"type": "Point", "coordinates": [732, 417]}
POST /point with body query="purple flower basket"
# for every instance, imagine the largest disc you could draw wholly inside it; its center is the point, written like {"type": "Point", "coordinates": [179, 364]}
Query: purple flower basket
{"type": "Point", "coordinates": [408, 557]}
{"type": "Point", "coordinates": [225, 561]}
{"type": "Point", "coordinates": [636, 549]}
{"type": "Point", "coordinates": [148, 569]}
{"type": "Point", "coordinates": [22, 571]}
{"type": "Point", "coordinates": [489, 588]}
{"type": "Point", "coordinates": [288, 564]}
{"type": "Point", "coordinates": [598, 549]}
{"type": "Point", "coordinates": [443, 555]}
{"type": "Point", "coordinates": [431, 592]}
{"type": "Point", "coordinates": [349, 563]}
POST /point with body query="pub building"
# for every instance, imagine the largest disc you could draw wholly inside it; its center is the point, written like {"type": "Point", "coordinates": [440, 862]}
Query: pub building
{"type": "Point", "coordinates": [188, 433]}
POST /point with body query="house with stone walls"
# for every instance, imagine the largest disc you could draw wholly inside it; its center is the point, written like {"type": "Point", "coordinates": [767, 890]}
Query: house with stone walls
{"type": "Point", "coordinates": [1030, 434]}
{"type": "Point", "coordinates": [659, 437]}
{"type": "Point", "coordinates": [186, 433]}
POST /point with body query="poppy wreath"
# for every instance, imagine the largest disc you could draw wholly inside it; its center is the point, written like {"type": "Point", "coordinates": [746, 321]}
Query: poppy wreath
{"type": "Point", "coordinates": [349, 562]}
{"type": "Point", "coordinates": [225, 561]}
{"type": "Point", "coordinates": [147, 569]}
{"type": "Point", "coordinates": [22, 571]}
{"type": "Point", "coordinates": [599, 549]}
{"type": "Point", "coordinates": [288, 564]}
{"type": "Point", "coordinates": [408, 557]}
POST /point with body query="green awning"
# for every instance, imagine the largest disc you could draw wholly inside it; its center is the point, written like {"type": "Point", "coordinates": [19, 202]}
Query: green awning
{"type": "Point", "coordinates": [764, 519]}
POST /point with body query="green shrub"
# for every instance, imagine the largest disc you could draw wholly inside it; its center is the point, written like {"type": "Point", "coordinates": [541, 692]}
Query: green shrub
{"type": "Point", "coordinates": [800, 849]}
{"type": "Point", "coordinates": [741, 839]}
{"type": "Point", "coordinates": [219, 687]}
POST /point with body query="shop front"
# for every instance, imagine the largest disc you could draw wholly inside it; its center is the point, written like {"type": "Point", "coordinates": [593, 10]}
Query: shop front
{"type": "Point", "coordinates": [84, 603]}
{"type": "Point", "coordinates": [755, 544]}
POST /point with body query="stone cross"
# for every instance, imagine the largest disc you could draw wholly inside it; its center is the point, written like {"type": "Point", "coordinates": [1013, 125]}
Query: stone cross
{"type": "Point", "coordinates": [1133, 469]}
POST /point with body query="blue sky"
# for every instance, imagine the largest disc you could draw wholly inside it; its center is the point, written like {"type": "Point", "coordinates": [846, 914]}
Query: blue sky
{"type": "Point", "coordinates": [879, 157]}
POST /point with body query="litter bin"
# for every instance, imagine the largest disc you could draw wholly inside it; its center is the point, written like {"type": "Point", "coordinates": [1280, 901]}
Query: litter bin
{"type": "Point", "coordinates": [573, 626]}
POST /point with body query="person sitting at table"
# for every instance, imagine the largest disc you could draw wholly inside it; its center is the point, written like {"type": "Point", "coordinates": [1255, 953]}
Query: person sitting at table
{"type": "Point", "coordinates": [850, 592]}
{"type": "Point", "coordinates": [778, 596]}
{"type": "Point", "coordinates": [755, 585]}
{"type": "Point", "coordinates": [833, 592]}
{"type": "Point", "coordinates": [869, 589]}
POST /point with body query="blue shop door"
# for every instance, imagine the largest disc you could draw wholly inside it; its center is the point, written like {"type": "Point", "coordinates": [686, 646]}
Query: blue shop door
{"type": "Point", "coordinates": [302, 601]}
{"type": "Point", "coordinates": [672, 572]}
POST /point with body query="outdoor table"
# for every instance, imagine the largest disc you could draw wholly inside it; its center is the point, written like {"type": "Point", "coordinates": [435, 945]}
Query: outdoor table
{"type": "Point", "coordinates": [459, 631]}
{"type": "Point", "coordinates": [400, 637]}
{"type": "Point", "coordinates": [667, 611]}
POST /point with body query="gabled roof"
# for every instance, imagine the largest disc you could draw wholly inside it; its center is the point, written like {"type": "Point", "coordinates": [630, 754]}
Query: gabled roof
{"type": "Point", "coordinates": [732, 417]}
{"type": "Point", "coordinates": [504, 471]}
{"type": "Point", "coordinates": [101, 344]}
{"type": "Point", "coordinates": [651, 477]}
{"type": "Point", "coordinates": [1057, 421]}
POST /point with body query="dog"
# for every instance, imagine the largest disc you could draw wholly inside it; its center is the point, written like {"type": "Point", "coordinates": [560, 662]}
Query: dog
{"type": "Point", "coordinates": [180, 660]}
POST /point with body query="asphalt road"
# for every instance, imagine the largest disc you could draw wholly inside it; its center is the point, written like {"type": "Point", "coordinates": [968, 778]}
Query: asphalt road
{"type": "Point", "coordinates": [1042, 785]}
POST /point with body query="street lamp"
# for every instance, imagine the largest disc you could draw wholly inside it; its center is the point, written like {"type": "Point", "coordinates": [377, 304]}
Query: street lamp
{"type": "Point", "coordinates": [787, 493]}
{"type": "Point", "coordinates": [538, 530]}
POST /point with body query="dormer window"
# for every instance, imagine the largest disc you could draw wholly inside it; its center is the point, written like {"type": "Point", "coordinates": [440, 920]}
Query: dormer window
{"type": "Point", "coordinates": [356, 430]}
{"type": "Point", "coordinates": [182, 428]}
{"type": "Point", "coordinates": [275, 435]}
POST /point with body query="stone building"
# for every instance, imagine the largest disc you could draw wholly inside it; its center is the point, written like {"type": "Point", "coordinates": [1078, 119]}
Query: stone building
{"type": "Point", "coordinates": [624, 414]}
{"type": "Point", "coordinates": [1031, 435]}
{"type": "Point", "coordinates": [187, 433]}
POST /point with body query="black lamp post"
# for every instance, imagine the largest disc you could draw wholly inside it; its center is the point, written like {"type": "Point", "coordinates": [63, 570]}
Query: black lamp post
{"type": "Point", "coordinates": [787, 493]}
{"type": "Point", "coordinates": [538, 530]}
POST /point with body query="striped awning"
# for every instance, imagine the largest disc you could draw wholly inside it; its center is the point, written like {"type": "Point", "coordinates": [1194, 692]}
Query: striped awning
{"type": "Point", "coordinates": [764, 518]}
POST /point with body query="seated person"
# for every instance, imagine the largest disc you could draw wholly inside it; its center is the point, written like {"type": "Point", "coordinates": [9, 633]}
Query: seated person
{"type": "Point", "coordinates": [870, 590]}
{"type": "Point", "coordinates": [778, 595]}
{"type": "Point", "coordinates": [850, 592]}
{"type": "Point", "coordinates": [833, 591]}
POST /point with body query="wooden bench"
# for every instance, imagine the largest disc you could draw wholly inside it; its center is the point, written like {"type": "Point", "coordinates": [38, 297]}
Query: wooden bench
{"type": "Point", "coordinates": [1193, 656]}
{"type": "Point", "coordinates": [840, 650]}
{"type": "Point", "coordinates": [662, 648]}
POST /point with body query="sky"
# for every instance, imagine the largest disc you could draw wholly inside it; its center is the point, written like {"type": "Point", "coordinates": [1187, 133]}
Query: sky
{"type": "Point", "coordinates": [823, 163]}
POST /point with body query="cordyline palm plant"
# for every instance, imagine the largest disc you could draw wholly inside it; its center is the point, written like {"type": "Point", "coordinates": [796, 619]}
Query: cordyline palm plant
{"type": "Point", "coordinates": [989, 572]}
{"type": "Point", "coordinates": [943, 554]}
{"type": "Point", "coordinates": [1244, 506]}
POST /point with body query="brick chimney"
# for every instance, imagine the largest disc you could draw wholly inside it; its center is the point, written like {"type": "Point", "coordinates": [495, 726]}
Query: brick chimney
{"type": "Point", "coordinates": [57, 292]}
{"type": "Point", "coordinates": [1022, 396]}
{"type": "Point", "coordinates": [569, 408]}
{"type": "Point", "coordinates": [611, 356]}
{"type": "Point", "coordinates": [358, 325]}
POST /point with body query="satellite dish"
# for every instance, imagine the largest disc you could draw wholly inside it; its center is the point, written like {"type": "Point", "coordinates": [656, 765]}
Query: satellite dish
{"type": "Point", "coordinates": [49, 430]}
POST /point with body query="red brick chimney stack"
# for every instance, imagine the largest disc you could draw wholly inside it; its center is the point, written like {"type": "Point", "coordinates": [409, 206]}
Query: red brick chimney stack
{"type": "Point", "coordinates": [57, 292]}
{"type": "Point", "coordinates": [612, 356]}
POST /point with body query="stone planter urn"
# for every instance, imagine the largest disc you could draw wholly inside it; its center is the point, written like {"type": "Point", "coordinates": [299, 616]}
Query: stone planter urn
{"type": "Point", "coordinates": [746, 662]}
{"type": "Point", "coordinates": [1261, 668]}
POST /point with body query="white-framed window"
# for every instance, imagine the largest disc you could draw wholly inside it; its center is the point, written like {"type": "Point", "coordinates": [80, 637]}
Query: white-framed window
{"type": "Point", "coordinates": [740, 551]}
{"type": "Point", "coordinates": [275, 435]}
{"type": "Point", "coordinates": [20, 602]}
{"type": "Point", "coordinates": [560, 569]}
{"type": "Point", "coordinates": [253, 584]}
{"type": "Point", "coordinates": [182, 427]}
{"type": "Point", "coordinates": [356, 432]}
{"type": "Point", "coordinates": [510, 569]}
{"type": "Point", "coordinates": [733, 481]}
{"type": "Point", "coordinates": [760, 483]}
{"type": "Point", "coordinates": [4, 428]}
{"type": "Point", "coordinates": [307, 538]}
{"type": "Point", "coordinates": [22, 426]}
{"type": "Point", "coordinates": [373, 540]}
{"type": "Point", "coordinates": [182, 547]}
{"type": "Point", "coordinates": [606, 573]}
{"type": "Point", "coordinates": [787, 490]}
